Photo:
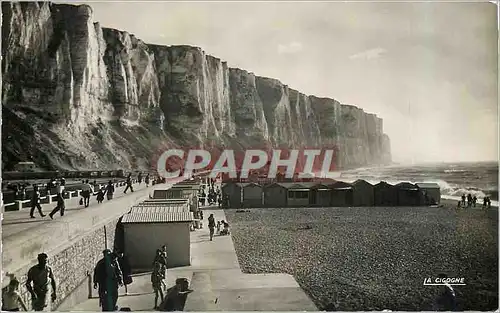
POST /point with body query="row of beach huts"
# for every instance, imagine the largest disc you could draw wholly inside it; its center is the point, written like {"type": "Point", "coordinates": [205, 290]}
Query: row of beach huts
{"type": "Point", "coordinates": [311, 194]}
{"type": "Point", "coordinates": [167, 218]}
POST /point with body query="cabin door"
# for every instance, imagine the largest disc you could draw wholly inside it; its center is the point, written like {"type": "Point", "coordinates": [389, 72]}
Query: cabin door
{"type": "Point", "coordinates": [312, 197]}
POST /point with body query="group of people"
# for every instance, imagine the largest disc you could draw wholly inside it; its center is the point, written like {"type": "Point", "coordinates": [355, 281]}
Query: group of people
{"type": "Point", "coordinates": [39, 280]}
{"type": "Point", "coordinates": [213, 196]}
{"type": "Point", "coordinates": [88, 190]}
{"type": "Point", "coordinates": [471, 201]}
{"type": "Point", "coordinates": [222, 227]}
{"type": "Point", "coordinates": [111, 272]}
{"type": "Point", "coordinates": [60, 194]}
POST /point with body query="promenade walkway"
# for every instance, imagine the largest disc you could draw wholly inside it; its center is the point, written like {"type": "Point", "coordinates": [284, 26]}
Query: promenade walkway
{"type": "Point", "coordinates": [16, 223]}
{"type": "Point", "coordinates": [217, 280]}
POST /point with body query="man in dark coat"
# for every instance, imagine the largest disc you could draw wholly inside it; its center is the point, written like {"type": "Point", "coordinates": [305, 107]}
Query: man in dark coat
{"type": "Point", "coordinates": [35, 202]}
{"type": "Point", "coordinates": [107, 278]}
{"type": "Point", "coordinates": [129, 184]}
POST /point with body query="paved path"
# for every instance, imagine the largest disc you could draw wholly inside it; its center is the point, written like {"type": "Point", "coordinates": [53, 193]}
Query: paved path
{"type": "Point", "coordinates": [233, 289]}
{"type": "Point", "coordinates": [18, 222]}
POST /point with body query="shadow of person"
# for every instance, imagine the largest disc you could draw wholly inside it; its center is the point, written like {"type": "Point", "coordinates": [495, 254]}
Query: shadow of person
{"type": "Point", "coordinates": [176, 296]}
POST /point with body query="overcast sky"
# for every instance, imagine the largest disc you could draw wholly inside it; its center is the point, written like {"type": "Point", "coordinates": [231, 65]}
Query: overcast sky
{"type": "Point", "coordinates": [428, 69]}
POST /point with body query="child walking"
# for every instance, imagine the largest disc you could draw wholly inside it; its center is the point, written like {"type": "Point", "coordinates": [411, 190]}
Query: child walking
{"type": "Point", "coordinates": [100, 196]}
{"type": "Point", "coordinates": [11, 299]}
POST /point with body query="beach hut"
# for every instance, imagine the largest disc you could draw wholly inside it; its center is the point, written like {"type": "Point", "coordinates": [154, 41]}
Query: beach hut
{"type": "Point", "coordinates": [341, 194]}
{"type": "Point", "coordinates": [297, 195]}
{"type": "Point", "coordinates": [275, 195]}
{"type": "Point", "coordinates": [363, 193]}
{"type": "Point", "coordinates": [233, 191]}
{"type": "Point", "coordinates": [188, 185]}
{"type": "Point", "coordinates": [252, 195]}
{"type": "Point", "coordinates": [430, 192]}
{"type": "Point", "coordinates": [159, 208]}
{"type": "Point", "coordinates": [320, 195]}
{"type": "Point", "coordinates": [167, 202]}
{"type": "Point", "coordinates": [148, 229]}
{"type": "Point", "coordinates": [385, 194]}
{"type": "Point", "coordinates": [408, 194]}
{"type": "Point", "coordinates": [177, 193]}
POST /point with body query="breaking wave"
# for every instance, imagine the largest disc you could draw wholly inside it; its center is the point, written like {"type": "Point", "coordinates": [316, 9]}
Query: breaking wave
{"type": "Point", "coordinates": [477, 179]}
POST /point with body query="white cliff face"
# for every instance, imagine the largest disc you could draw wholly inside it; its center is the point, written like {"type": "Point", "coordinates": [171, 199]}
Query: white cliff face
{"type": "Point", "coordinates": [131, 69]}
{"type": "Point", "coordinates": [247, 107]}
{"type": "Point", "coordinates": [194, 93]}
{"type": "Point", "coordinates": [57, 60]}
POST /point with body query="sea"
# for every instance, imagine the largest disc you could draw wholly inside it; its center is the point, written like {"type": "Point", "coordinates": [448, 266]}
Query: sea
{"type": "Point", "coordinates": [455, 179]}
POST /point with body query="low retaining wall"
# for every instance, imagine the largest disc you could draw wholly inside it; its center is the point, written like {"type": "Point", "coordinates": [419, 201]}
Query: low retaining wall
{"type": "Point", "coordinates": [69, 191]}
{"type": "Point", "coordinates": [74, 244]}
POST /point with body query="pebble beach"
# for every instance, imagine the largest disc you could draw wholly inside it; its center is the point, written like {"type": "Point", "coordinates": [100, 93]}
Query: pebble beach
{"type": "Point", "coordinates": [374, 258]}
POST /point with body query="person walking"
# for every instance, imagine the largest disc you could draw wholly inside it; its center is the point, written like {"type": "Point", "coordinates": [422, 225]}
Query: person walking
{"type": "Point", "coordinates": [37, 284]}
{"type": "Point", "coordinates": [110, 190]}
{"type": "Point", "coordinates": [35, 202]}
{"type": "Point", "coordinates": [11, 299]}
{"type": "Point", "coordinates": [87, 191]}
{"type": "Point", "coordinates": [129, 184]}
{"type": "Point", "coordinates": [157, 277]}
{"type": "Point", "coordinates": [126, 269]}
{"type": "Point", "coordinates": [211, 226]}
{"type": "Point", "coordinates": [61, 206]}
{"type": "Point", "coordinates": [61, 186]}
{"type": "Point", "coordinates": [100, 195]}
{"type": "Point", "coordinates": [164, 261]}
{"type": "Point", "coordinates": [107, 279]}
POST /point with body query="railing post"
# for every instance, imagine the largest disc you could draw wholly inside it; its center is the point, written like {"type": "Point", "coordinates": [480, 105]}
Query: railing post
{"type": "Point", "coordinates": [19, 205]}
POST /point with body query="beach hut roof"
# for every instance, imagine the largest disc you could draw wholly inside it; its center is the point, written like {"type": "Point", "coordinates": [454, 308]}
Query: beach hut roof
{"type": "Point", "coordinates": [383, 184]}
{"type": "Point", "coordinates": [361, 182]}
{"type": "Point", "coordinates": [406, 186]}
{"type": "Point", "coordinates": [296, 186]}
{"type": "Point", "coordinates": [340, 185]}
{"type": "Point", "coordinates": [275, 184]}
{"type": "Point", "coordinates": [319, 186]}
{"type": "Point", "coordinates": [224, 185]}
{"type": "Point", "coordinates": [155, 217]}
{"type": "Point", "coordinates": [187, 187]}
{"type": "Point", "coordinates": [308, 184]}
{"type": "Point", "coordinates": [244, 185]}
{"type": "Point", "coordinates": [428, 185]}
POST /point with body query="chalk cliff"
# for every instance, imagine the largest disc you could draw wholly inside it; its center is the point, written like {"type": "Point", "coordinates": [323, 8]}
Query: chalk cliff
{"type": "Point", "coordinates": [76, 95]}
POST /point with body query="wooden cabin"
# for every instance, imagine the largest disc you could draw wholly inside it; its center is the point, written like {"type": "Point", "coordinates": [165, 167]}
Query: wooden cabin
{"type": "Point", "coordinates": [320, 195]}
{"type": "Point", "coordinates": [408, 194]}
{"type": "Point", "coordinates": [233, 191]}
{"type": "Point", "coordinates": [363, 193]}
{"type": "Point", "coordinates": [431, 193]}
{"type": "Point", "coordinates": [297, 195]}
{"type": "Point", "coordinates": [252, 195]}
{"type": "Point", "coordinates": [385, 194]}
{"type": "Point", "coordinates": [341, 194]}
{"type": "Point", "coordinates": [275, 195]}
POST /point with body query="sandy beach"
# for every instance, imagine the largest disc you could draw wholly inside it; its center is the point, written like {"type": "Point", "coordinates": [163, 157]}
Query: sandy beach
{"type": "Point", "coordinates": [374, 258]}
